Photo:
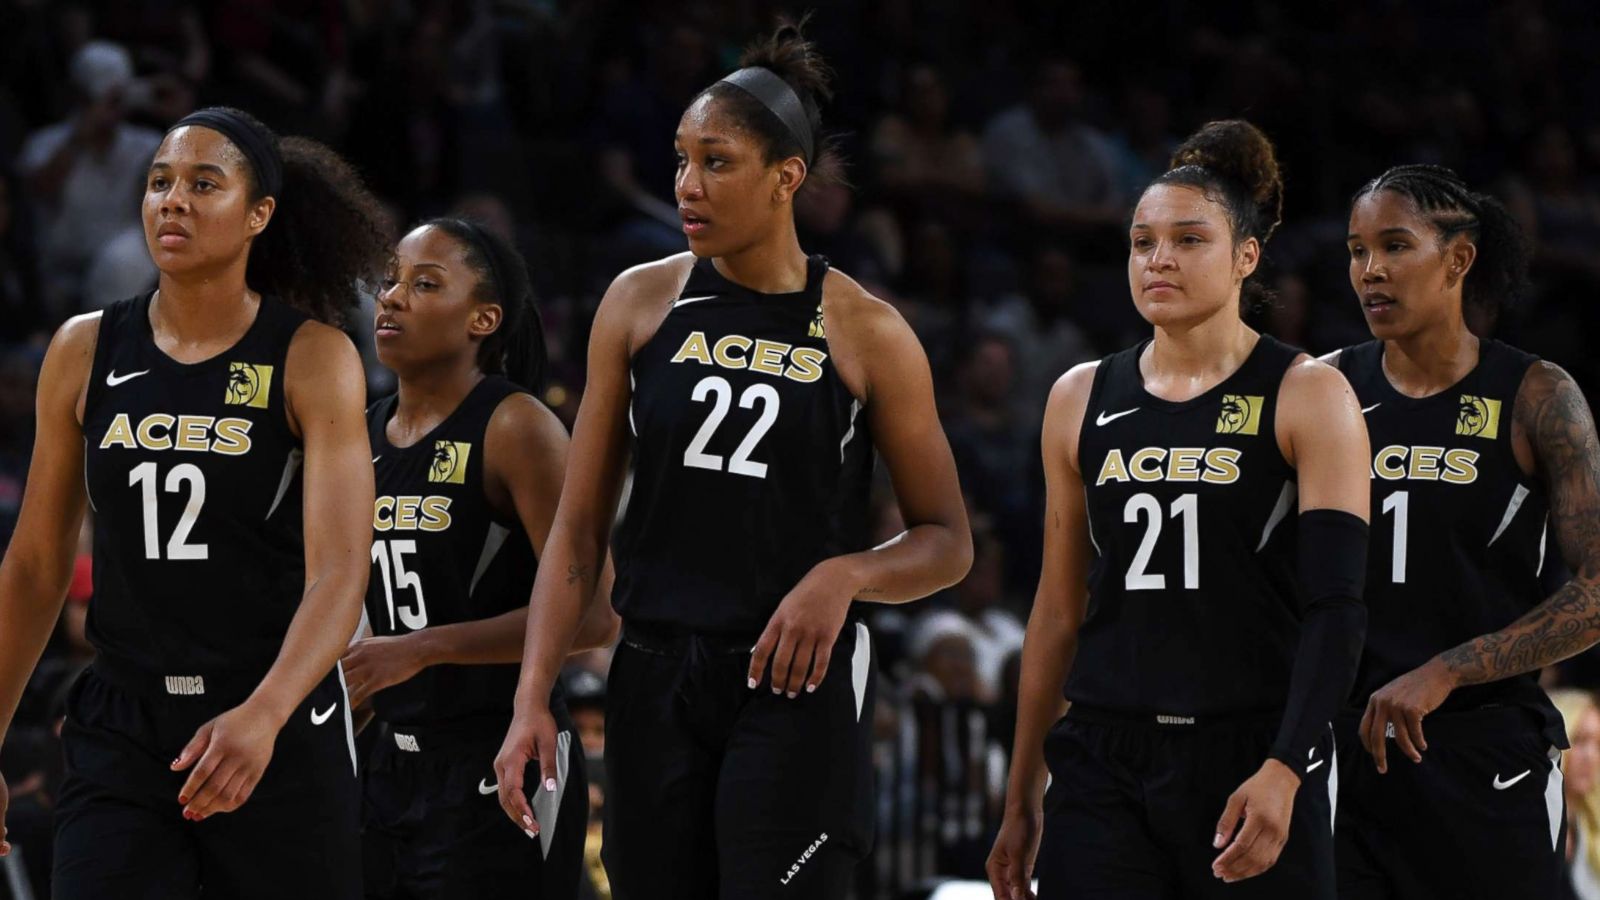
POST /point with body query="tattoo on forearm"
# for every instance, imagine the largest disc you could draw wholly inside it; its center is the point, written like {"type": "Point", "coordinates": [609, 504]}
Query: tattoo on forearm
{"type": "Point", "coordinates": [577, 574]}
{"type": "Point", "coordinates": [871, 592]}
{"type": "Point", "coordinates": [1553, 413]}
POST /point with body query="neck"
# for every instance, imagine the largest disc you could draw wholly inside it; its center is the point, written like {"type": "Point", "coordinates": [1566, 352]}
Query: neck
{"type": "Point", "coordinates": [1431, 359]}
{"type": "Point", "coordinates": [1197, 356]}
{"type": "Point", "coordinates": [199, 307]}
{"type": "Point", "coordinates": [775, 264]}
{"type": "Point", "coordinates": [431, 393]}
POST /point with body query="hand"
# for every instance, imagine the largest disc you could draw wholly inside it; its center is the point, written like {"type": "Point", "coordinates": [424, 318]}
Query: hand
{"type": "Point", "coordinates": [5, 801]}
{"type": "Point", "coordinates": [1010, 865]}
{"type": "Point", "coordinates": [532, 736]}
{"type": "Point", "coordinates": [374, 663]}
{"type": "Point", "coordinates": [232, 752]}
{"type": "Point", "coordinates": [1266, 801]}
{"type": "Point", "coordinates": [1399, 706]}
{"type": "Point", "coordinates": [799, 637]}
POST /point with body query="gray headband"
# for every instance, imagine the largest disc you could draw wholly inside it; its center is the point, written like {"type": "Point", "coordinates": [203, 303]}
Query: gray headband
{"type": "Point", "coordinates": [776, 95]}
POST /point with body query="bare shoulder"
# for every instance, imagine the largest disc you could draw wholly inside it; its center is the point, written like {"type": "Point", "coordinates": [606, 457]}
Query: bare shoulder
{"type": "Point", "coordinates": [640, 297]}
{"type": "Point", "coordinates": [320, 349]}
{"type": "Point", "coordinates": [855, 311]}
{"type": "Point", "coordinates": [866, 336]}
{"type": "Point", "coordinates": [64, 377]}
{"type": "Point", "coordinates": [1543, 382]}
{"type": "Point", "coordinates": [523, 424]}
{"type": "Point", "coordinates": [1311, 380]}
{"type": "Point", "coordinates": [1069, 401]}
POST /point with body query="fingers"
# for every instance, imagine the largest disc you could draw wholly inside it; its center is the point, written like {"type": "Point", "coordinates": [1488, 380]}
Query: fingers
{"type": "Point", "coordinates": [1020, 880]}
{"type": "Point", "coordinates": [800, 663]}
{"type": "Point", "coordinates": [783, 660]}
{"type": "Point", "coordinates": [1230, 818]}
{"type": "Point", "coordinates": [1402, 737]}
{"type": "Point", "coordinates": [1413, 721]}
{"type": "Point", "coordinates": [999, 875]}
{"type": "Point", "coordinates": [1236, 861]}
{"type": "Point", "coordinates": [819, 666]}
{"type": "Point", "coordinates": [1361, 730]}
{"type": "Point", "coordinates": [761, 653]}
{"type": "Point", "coordinates": [1375, 736]}
{"type": "Point", "coordinates": [194, 749]}
{"type": "Point", "coordinates": [205, 785]}
{"type": "Point", "coordinates": [508, 770]}
{"type": "Point", "coordinates": [545, 742]}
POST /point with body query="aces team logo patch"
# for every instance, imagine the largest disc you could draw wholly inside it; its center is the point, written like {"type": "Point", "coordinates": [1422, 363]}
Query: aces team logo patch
{"type": "Point", "coordinates": [1478, 417]}
{"type": "Point", "coordinates": [1240, 414]}
{"type": "Point", "coordinates": [449, 462]}
{"type": "Point", "coordinates": [815, 329]}
{"type": "Point", "coordinates": [248, 385]}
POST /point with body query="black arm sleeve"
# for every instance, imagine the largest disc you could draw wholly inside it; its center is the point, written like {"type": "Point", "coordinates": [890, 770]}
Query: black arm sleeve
{"type": "Point", "coordinates": [1333, 568]}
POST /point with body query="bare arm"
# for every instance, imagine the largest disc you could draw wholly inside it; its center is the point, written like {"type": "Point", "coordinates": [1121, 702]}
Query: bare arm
{"type": "Point", "coordinates": [38, 563]}
{"type": "Point", "coordinates": [1555, 418]}
{"type": "Point", "coordinates": [1051, 644]}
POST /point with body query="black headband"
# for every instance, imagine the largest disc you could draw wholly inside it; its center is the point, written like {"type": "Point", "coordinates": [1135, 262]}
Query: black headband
{"type": "Point", "coordinates": [258, 145]}
{"type": "Point", "coordinates": [776, 95]}
{"type": "Point", "coordinates": [476, 234]}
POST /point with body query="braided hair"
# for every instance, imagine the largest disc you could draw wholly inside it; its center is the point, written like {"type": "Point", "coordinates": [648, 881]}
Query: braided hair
{"type": "Point", "coordinates": [516, 349]}
{"type": "Point", "coordinates": [1499, 275]}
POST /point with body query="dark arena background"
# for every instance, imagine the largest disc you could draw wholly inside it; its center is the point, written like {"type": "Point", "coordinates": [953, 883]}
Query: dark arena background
{"type": "Point", "coordinates": [994, 147]}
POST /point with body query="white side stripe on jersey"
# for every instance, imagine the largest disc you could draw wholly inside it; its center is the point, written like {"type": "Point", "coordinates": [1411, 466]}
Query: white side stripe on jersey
{"type": "Point", "coordinates": [861, 666]}
{"type": "Point", "coordinates": [1517, 496]}
{"type": "Point", "coordinates": [547, 804]}
{"type": "Point", "coordinates": [1279, 512]}
{"type": "Point", "coordinates": [491, 546]}
{"type": "Point", "coordinates": [855, 407]}
{"type": "Point", "coordinates": [1555, 801]}
{"type": "Point", "coordinates": [290, 466]}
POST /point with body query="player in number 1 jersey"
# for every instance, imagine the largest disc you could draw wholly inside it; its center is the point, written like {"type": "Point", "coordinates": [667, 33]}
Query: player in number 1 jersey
{"type": "Point", "coordinates": [1484, 463]}
{"type": "Point", "coordinates": [1210, 651]}
{"type": "Point", "coordinates": [754, 384]}
{"type": "Point", "coordinates": [214, 429]}
{"type": "Point", "coordinates": [469, 467]}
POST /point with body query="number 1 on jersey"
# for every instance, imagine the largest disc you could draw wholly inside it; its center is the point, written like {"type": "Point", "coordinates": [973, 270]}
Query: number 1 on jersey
{"type": "Point", "coordinates": [1398, 503]}
{"type": "Point", "coordinates": [1140, 506]}
{"type": "Point", "coordinates": [143, 476]}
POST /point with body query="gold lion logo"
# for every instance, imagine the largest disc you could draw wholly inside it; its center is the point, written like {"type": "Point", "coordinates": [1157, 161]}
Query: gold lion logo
{"type": "Point", "coordinates": [1478, 417]}
{"type": "Point", "coordinates": [815, 329]}
{"type": "Point", "coordinates": [1240, 414]}
{"type": "Point", "coordinates": [449, 462]}
{"type": "Point", "coordinates": [248, 385]}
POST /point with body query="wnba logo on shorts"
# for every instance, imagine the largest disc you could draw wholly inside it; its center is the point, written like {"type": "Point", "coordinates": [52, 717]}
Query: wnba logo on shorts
{"type": "Point", "coordinates": [449, 462]}
{"type": "Point", "coordinates": [1240, 414]}
{"type": "Point", "coordinates": [1478, 417]}
{"type": "Point", "coordinates": [248, 385]}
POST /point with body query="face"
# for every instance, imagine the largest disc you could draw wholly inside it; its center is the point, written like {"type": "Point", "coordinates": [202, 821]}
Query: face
{"type": "Point", "coordinates": [1581, 764]}
{"type": "Point", "coordinates": [428, 312]}
{"type": "Point", "coordinates": [1183, 264]}
{"type": "Point", "coordinates": [1406, 279]}
{"type": "Point", "coordinates": [729, 198]}
{"type": "Point", "coordinates": [198, 215]}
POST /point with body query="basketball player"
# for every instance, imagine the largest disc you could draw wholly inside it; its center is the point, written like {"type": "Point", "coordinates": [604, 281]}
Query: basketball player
{"type": "Point", "coordinates": [754, 384]}
{"type": "Point", "coordinates": [1203, 656]}
{"type": "Point", "coordinates": [208, 748]}
{"type": "Point", "coordinates": [1481, 455]}
{"type": "Point", "coordinates": [469, 469]}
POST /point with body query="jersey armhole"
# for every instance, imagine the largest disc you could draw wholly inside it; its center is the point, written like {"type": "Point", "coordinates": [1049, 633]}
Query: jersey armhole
{"type": "Point", "coordinates": [688, 273]}
{"type": "Point", "coordinates": [94, 387]}
{"type": "Point", "coordinates": [1090, 403]}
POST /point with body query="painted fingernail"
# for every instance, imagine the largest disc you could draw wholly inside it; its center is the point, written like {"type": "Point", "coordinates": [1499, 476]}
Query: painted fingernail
{"type": "Point", "coordinates": [1216, 841]}
{"type": "Point", "coordinates": [753, 684]}
{"type": "Point", "coordinates": [183, 799]}
{"type": "Point", "coordinates": [811, 689]}
{"type": "Point", "coordinates": [550, 785]}
{"type": "Point", "coordinates": [532, 834]}
{"type": "Point", "coordinates": [776, 689]}
{"type": "Point", "coordinates": [528, 821]}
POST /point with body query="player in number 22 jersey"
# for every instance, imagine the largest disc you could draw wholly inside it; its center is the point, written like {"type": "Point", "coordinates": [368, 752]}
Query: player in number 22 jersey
{"type": "Point", "coordinates": [469, 468]}
{"type": "Point", "coordinates": [1484, 465]}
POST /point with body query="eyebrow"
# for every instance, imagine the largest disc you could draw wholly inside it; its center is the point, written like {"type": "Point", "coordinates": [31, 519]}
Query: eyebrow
{"type": "Point", "coordinates": [429, 265]}
{"type": "Point", "coordinates": [1352, 236]}
{"type": "Point", "coordinates": [1186, 223]}
{"type": "Point", "coordinates": [204, 167]}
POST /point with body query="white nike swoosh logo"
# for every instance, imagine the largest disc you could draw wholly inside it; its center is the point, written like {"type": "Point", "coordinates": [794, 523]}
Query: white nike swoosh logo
{"type": "Point", "coordinates": [485, 788]}
{"type": "Point", "coordinates": [1367, 409]}
{"type": "Point", "coordinates": [113, 379]}
{"type": "Point", "coordinates": [1314, 766]}
{"type": "Point", "coordinates": [378, 457]}
{"type": "Point", "coordinates": [682, 301]}
{"type": "Point", "coordinates": [1103, 418]}
{"type": "Point", "coordinates": [1502, 785]}
{"type": "Point", "coordinates": [317, 718]}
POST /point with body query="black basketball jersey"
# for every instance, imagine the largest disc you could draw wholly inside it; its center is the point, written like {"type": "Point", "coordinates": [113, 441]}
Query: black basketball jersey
{"type": "Point", "coordinates": [1193, 603]}
{"type": "Point", "coordinates": [1458, 530]}
{"type": "Point", "coordinates": [751, 460]}
{"type": "Point", "coordinates": [194, 482]}
{"type": "Point", "coordinates": [441, 555]}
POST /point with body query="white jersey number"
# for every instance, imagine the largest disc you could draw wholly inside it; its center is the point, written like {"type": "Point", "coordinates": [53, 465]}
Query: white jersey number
{"type": "Point", "coordinates": [720, 393]}
{"type": "Point", "coordinates": [1147, 507]}
{"type": "Point", "coordinates": [390, 557]}
{"type": "Point", "coordinates": [144, 477]}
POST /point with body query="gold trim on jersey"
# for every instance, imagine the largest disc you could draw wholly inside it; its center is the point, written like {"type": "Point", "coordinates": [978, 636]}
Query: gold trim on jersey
{"type": "Point", "coordinates": [449, 462]}
{"type": "Point", "coordinates": [1240, 414]}
{"type": "Point", "coordinates": [249, 384]}
{"type": "Point", "coordinates": [1478, 417]}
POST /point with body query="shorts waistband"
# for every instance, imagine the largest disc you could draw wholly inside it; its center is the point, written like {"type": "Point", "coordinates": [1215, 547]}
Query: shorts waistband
{"type": "Point", "coordinates": [1176, 721]}
{"type": "Point", "coordinates": [440, 738]}
{"type": "Point", "coordinates": [1484, 725]}
{"type": "Point", "coordinates": [215, 686]}
{"type": "Point", "coordinates": [672, 642]}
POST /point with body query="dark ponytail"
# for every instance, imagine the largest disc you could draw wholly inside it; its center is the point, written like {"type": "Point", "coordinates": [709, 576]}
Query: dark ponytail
{"type": "Point", "coordinates": [326, 233]}
{"type": "Point", "coordinates": [1499, 274]}
{"type": "Point", "coordinates": [791, 56]}
{"type": "Point", "coordinates": [1233, 163]}
{"type": "Point", "coordinates": [517, 348]}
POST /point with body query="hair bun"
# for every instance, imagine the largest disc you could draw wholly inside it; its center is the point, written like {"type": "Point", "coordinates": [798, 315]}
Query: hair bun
{"type": "Point", "coordinates": [790, 55]}
{"type": "Point", "coordinates": [1238, 151]}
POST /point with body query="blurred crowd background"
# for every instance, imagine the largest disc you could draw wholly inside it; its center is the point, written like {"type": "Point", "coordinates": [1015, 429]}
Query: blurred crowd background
{"type": "Point", "coordinates": [995, 150]}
